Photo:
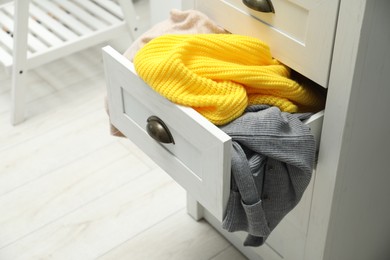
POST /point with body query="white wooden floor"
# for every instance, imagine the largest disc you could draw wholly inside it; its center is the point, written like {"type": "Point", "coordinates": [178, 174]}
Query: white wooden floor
{"type": "Point", "coordinates": [69, 190]}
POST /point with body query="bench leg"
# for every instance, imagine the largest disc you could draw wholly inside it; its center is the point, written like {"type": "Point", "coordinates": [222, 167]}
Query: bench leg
{"type": "Point", "coordinates": [131, 18]}
{"type": "Point", "coordinates": [18, 98]}
{"type": "Point", "coordinates": [19, 61]}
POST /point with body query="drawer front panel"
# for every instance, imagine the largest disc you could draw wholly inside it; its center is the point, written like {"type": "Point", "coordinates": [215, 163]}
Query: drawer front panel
{"type": "Point", "coordinates": [300, 32]}
{"type": "Point", "coordinates": [199, 160]}
{"type": "Point", "coordinates": [184, 151]}
{"type": "Point", "coordinates": [295, 27]}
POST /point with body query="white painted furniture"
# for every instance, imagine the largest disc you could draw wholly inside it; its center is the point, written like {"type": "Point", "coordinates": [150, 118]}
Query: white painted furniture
{"type": "Point", "coordinates": [344, 212]}
{"type": "Point", "coordinates": [39, 31]}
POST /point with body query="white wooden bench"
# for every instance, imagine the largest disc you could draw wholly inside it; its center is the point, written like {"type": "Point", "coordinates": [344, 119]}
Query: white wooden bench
{"type": "Point", "coordinates": [36, 32]}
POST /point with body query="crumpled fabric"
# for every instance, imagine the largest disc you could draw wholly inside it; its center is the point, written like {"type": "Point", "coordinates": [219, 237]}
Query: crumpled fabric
{"type": "Point", "coordinates": [179, 22]}
{"type": "Point", "coordinates": [219, 75]}
{"type": "Point", "coordinates": [273, 157]}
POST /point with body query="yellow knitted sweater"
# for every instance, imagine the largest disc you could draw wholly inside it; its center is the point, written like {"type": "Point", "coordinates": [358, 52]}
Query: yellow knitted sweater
{"type": "Point", "coordinates": [219, 75]}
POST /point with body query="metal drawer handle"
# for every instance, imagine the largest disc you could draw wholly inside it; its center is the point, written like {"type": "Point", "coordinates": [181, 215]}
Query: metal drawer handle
{"type": "Point", "coordinates": [264, 6]}
{"type": "Point", "coordinates": [158, 130]}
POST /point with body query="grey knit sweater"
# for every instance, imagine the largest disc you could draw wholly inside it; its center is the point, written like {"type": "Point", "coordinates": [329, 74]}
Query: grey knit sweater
{"type": "Point", "coordinates": [272, 162]}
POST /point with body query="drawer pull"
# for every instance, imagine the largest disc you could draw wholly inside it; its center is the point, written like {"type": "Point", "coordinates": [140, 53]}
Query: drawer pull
{"type": "Point", "coordinates": [264, 6]}
{"type": "Point", "coordinates": [158, 130]}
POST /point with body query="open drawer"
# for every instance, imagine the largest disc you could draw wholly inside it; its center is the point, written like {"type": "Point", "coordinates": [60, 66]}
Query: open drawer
{"type": "Point", "coordinates": [199, 159]}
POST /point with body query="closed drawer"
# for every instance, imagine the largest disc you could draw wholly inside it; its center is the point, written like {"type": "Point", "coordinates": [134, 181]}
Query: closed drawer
{"type": "Point", "coordinates": [300, 32]}
{"type": "Point", "coordinates": [199, 160]}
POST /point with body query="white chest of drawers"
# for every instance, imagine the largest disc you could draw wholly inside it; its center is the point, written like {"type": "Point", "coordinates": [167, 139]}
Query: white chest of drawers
{"type": "Point", "coordinates": [335, 217]}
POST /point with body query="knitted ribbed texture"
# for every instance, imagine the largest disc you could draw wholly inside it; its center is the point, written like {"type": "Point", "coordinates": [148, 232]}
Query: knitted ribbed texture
{"type": "Point", "coordinates": [219, 75]}
{"type": "Point", "coordinates": [272, 162]}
